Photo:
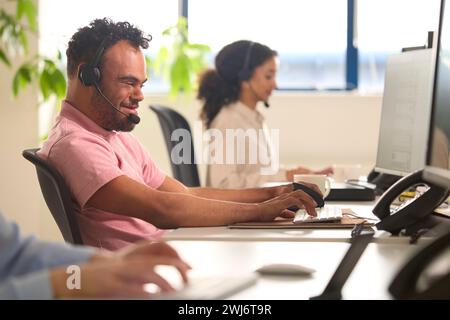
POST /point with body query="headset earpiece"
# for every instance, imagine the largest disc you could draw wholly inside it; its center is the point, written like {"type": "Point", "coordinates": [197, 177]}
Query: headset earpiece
{"type": "Point", "coordinates": [245, 74]}
{"type": "Point", "coordinates": [89, 73]}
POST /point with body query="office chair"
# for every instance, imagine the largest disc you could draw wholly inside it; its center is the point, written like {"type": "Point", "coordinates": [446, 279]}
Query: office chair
{"type": "Point", "coordinates": [187, 173]}
{"type": "Point", "coordinates": [57, 196]}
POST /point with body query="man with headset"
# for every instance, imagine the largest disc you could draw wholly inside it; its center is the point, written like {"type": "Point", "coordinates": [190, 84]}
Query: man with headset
{"type": "Point", "coordinates": [120, 195]}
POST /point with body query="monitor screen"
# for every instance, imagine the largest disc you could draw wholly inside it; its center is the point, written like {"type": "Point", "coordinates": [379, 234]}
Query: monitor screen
{"type": "Point", "coordinates": [406, 112]}
{"type": "Point", "coordinates": [438, 151]}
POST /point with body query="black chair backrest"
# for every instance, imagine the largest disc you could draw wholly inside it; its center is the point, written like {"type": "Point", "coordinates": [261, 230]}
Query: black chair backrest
{"type": "Point", "coordinates": [171, 120]}
{"type": "Point", "coordinates": [57, 196]}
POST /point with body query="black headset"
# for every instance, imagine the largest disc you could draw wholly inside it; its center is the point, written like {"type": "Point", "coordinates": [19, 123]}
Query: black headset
{"type": "Point", "coordinates": [89, 73]}
{"type": "Point", "coordinates": [245, 73]}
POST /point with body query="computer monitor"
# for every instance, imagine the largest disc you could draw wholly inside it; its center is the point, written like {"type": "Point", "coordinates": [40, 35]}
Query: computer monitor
{"type": "Point", "coordinates": [406, 112]}
{"type": "Point", "coordinates": [437, 176]}
{"type": "Point", "coordinates": [438, 150]}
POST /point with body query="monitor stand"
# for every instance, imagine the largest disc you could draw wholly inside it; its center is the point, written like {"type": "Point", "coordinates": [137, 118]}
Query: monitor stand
{"type": "Point", "coordinates": [346, 266]}
{"type": "Point", "coordinates": [383, 181]}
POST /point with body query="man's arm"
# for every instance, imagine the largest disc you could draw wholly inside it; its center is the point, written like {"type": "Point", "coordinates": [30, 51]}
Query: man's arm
{"type": "Point", "coordinates": [254, 195]}
{"type": "Point", "coordinates": [251, 195]}
{"type": "Point", "coordinates": [166, 210]}
{"type": "Point", "coordinates": [24, 263]}
{"type": "Point", "coordinates": [22, 255]}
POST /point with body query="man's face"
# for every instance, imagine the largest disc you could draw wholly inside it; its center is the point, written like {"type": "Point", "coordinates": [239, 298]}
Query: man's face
{"type": "Point", "coordinates": [123, 75]}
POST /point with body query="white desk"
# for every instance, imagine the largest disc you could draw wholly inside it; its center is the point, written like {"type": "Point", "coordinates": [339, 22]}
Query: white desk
{"type": "Point", "coordinates": [305, 235]}
{"type": "Point", "coordinates": [369, 280]}
{"type": "Point", "coordinates": [276, 235]}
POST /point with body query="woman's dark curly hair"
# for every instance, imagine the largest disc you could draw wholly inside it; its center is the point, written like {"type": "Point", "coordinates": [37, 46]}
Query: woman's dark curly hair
{"type": "Point", "coordinates": [85, 42]}
{"type": "Point", "coordinates": [220, 87]}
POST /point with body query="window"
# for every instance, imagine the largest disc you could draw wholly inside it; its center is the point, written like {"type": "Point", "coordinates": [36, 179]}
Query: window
{"type": "Point", "coordinates": [309, 35]}
{"type": "Point", "coordinates": [385, 27]}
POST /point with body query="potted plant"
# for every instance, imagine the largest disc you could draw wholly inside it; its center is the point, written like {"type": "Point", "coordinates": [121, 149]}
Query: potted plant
{"type": "Point", "coordinates": [14, 32]}
{"type": "Point", "coordinates": [180, 61]}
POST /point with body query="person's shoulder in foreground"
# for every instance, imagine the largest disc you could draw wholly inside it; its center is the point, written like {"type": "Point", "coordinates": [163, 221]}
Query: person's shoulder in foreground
{"type": "Point", "coordinates": [33, 269]}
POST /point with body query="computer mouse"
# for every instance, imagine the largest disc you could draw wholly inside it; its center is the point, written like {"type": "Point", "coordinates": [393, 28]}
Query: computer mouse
{"type": "Point", "coordinates": [312, 193]}
{"type": "Point", "coordinates": [285, 269]}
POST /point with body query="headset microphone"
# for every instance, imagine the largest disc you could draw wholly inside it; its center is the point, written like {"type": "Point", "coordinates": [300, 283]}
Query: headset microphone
{"type": "Point", "coordinates": [130, 117]}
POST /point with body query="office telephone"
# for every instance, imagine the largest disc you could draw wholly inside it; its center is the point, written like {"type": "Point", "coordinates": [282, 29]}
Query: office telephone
{"type": "Point", "coordinates": [411, 282]}
{"type": "Point", "coordinates": [413, 215]}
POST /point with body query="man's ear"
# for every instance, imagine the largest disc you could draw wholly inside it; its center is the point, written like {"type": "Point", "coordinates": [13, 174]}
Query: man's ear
{"type": "Point", "coordinates": [79, 68]}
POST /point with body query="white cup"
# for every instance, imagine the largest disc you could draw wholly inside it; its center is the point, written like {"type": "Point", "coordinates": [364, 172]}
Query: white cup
{"type": "Point", "coordinates": [343, 172]}
{"type": "Point", "coordinates": [321, 180]}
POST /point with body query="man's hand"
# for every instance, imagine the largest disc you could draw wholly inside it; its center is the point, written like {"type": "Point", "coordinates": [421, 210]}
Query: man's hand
{"type": "Point", "coordinates": [288, 188]}
{"type": "Point", "coordinates": [121, 274]}
{"type": "Point", "coordinates": [277, 207]}
{"type": "Point", "coordinates": [149, 249]}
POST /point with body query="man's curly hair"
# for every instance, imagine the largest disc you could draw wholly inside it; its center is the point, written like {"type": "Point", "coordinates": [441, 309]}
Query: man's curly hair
{"type": "Point", "coordinates": [85, 42]}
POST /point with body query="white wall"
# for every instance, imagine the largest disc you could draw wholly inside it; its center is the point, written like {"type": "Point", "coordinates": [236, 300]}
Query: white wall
{"type": "Point", "coordinates": [316, 129]}
{"type": "Point", "coordinates": [19, 193]}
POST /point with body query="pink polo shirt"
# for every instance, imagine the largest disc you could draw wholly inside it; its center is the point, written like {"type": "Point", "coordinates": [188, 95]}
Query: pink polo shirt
{"type": "Point", "coordinates": [88, 157]}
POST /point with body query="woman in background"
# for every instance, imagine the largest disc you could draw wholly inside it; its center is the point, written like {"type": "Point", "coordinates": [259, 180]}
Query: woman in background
{"type": "Point", "coordinates": [244, 75]}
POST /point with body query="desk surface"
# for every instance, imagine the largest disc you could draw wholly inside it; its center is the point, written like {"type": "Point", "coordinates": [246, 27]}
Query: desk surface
{"type": "Point", "coordinates": [305, 235]}
{"type": "Point", "coordinates": [369, 280]}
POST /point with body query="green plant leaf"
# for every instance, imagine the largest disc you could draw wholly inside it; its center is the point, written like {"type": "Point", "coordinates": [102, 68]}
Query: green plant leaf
{"type": "Point", "coordinates": [28, 8]}
{"type": "Point", "coordinates": [179, 61]}
{"type": "Point", "coordinates": [31, 13]}
{"type": "Point", "coordinates": [197, 65]}
{"type": "Point", "coordinates": [180, 75]}
{"type": "Point", "coordinates": [200, 47]}
{"type": "Point", "coordinates": [20, 9]}
{"type": "Point", "coordinates": [21, 79]}
{"type": "Point", "coordinates": [26, 71]}
{"type": "Point", "coordinates": [149, 64]}
{"type": "Point", "coordinates": [4, 58]}
{"type": "Point", "coordinates": [23, 39]}
{"type": "Point", "coordinates": [16, 85]}
{"type": "Point", "coordinates": [160, 60]}
{"type": "Point", "coordinates": [53, 81]}
{"type": "Point", "coordinates": [14, 41]}
{"type": "Point", "coordinates": [58, 83]}
{"type": "Point", "coordinates": [44, 84]}
{"type": "Point", "coordinates": [44, 137]}
{"type": "Point", "coordinates": [167, 32]}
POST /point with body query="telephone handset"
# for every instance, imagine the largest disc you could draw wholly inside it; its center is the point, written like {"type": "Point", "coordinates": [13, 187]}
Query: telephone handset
{"type": "Point", "coordinates": [405, 284]}
{"type": "Point", "coordinates": [414, 214]}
